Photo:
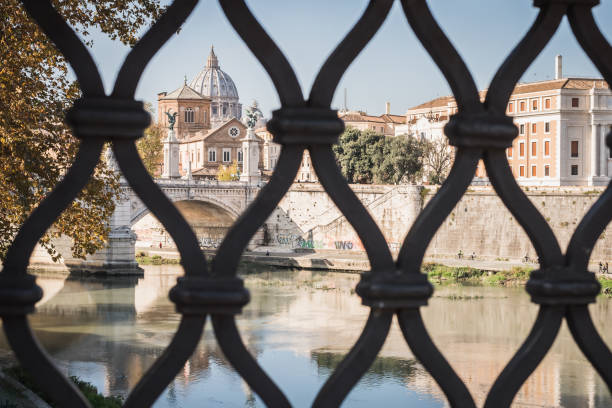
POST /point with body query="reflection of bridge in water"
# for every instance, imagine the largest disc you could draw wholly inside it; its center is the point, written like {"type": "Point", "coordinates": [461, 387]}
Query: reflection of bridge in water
{"type": "Point", "coordinates": [116, 327]}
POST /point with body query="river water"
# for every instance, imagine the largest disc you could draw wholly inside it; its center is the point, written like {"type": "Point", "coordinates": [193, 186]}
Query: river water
{"type": "Point", "coordinates": [299, 325]}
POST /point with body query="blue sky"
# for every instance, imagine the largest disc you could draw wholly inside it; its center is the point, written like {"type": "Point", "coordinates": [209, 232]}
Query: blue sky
{"type": "Point", "coordinates": [393, 67]}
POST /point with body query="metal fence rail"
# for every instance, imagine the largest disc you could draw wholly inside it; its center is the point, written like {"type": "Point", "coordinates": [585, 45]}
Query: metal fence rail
{"type": "Point", "coordinates": [562, 287]}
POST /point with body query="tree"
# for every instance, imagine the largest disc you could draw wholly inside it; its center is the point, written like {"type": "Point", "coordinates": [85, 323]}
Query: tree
{"type": "Point", "coordinates": [151, 147]}
{"type": "Point", "coordinates": [355, 152]}
{"type": "Point", "coordinates": [399, 161]}
{"type": "Point", "coordinates": [36, 147]}
{"type": "Point", "coordinates": [437, 160]}
{"type": "Point", "coordinates": [369, 157]}
{"type": "Point", "coordinates": [228, 173]}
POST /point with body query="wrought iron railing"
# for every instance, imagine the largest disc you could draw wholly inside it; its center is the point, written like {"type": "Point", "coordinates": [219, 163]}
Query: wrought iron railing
{"type": "Point", "coordinates": [562, 287]}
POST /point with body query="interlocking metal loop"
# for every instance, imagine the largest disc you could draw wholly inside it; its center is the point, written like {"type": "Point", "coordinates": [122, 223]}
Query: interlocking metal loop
{"type": "Point", "coordinates": [562, 287]}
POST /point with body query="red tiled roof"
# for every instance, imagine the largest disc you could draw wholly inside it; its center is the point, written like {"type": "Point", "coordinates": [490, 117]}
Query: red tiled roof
{"type": "Point", "coordinates": [551, 85]}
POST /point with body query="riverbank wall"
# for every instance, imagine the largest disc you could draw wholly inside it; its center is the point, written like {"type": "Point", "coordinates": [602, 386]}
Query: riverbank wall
{"type": "Point", "coordinates": [307, 220]}
{"type": "Point", "coordinates": [479, 224]}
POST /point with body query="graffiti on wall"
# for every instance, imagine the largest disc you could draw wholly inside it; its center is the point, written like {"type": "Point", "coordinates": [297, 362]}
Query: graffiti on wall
{"type": "Point", "coordinates": [346, 245]}
{"type": "Point", "coordinates": [309, 243]}
{"type": "Point", "coordinates": [287, 239]}
{"type": "Point", "coordinates": [208, 242]}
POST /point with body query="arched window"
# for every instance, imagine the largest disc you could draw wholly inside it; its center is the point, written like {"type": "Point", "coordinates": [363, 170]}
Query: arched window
{"type": "Point", "coordinates": [189, 115]}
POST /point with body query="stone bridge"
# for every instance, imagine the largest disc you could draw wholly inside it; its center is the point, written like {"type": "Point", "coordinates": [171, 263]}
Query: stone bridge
{"type": "Point", "coordinates": [232, 197]}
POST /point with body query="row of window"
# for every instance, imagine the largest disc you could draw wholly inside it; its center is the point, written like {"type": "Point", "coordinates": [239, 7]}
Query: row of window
{"type": "Point", "coordinates": [534, 128]}
{"type": "Point", "coordinates": [522, 105]}
{"type": "Point", "coordinates": [212, 155]}
{"type": "Point", "coordinates": [190, 114]}
{"type": "Point", "coordinates": [534, 149]}
{"type": "Point", "coordinates": [534, 170]}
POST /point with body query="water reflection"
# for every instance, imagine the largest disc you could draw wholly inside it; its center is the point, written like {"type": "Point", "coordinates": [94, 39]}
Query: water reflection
{"type": "Point", "coordinates": [299, 325]}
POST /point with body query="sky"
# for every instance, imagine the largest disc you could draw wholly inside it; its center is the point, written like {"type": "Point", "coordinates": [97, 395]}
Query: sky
{"type": "Point", "coordinates": [394, 67]}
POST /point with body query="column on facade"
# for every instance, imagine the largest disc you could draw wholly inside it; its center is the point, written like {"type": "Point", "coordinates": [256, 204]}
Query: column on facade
{"type": "Point", "coordinates": [595, 156]}
{"type": "Point", "coordinates": [603, 151]}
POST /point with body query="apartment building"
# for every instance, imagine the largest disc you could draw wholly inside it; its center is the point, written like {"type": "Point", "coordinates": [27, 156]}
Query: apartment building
{"type": "Point", "coordinates": [385, 124]}
{"type": "Point", "coordinates": [562, 127]}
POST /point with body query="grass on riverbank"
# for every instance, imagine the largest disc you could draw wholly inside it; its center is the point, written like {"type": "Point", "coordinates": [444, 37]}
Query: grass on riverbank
{"type": "Point", "coordinates": [143, 259]}
{"type": "Point", "coordinates": [439, 273]}
{"type": "Point", "coordinates": [90, 392]}
{"type": "Point", "coordinates": [516, 276]}
{"type": "Point", "coordinates": [606, 286]}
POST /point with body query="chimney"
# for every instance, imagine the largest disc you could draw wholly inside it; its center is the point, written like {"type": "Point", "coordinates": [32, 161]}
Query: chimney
{"type": "Point", "coordinates": [558, 67]}
{"type": "Point", "coordinates": [388, 108]}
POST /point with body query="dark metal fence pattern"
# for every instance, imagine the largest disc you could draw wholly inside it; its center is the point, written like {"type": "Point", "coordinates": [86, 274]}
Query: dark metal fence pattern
{"type": "Point", "coordinates": [562, 287]}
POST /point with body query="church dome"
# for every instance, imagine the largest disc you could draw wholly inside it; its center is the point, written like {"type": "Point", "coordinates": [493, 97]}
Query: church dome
{"type": "Point", "coordinates": [214, 83]}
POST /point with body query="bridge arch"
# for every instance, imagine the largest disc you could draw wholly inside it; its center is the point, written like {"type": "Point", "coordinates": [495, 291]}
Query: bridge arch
{"type": "Point", "coordinates": [209, 219]}
{"type": "Point", "coordinates": [143, 211]}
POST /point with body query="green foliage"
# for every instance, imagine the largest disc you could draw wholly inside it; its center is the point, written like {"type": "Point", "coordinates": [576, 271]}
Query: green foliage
{"type": "Point", "coordinates": [95, 399]}
{"type": "Point", "coordinates": [438, 273]}
{"type": "Point", "coordinates": [606, 286]}
{"type": "Point", "coordinates": [368, 157]}
{"type": "Point", "coordinates": [36, 147]}
{"type": "Point", "coordinates": [90, 392]}
{"type": "Point", "coordinates": [150, 146]}
{"type": "Point", "coordinates": [156, 260]}
{"type": "Point", "coordinates": [228, 173]}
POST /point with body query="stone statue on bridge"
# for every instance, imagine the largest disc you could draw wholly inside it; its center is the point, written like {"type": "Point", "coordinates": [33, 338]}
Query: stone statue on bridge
{"type": "Point", "coordinates": [171, 120]}
{"type": "Point", "coordinates": [253, 114]}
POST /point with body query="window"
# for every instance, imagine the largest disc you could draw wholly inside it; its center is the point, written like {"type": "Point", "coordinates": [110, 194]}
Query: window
{"type": "Point", "coordinates": [534, 148]}
{"type": "Point", "coordinates": [574, 148]}
{"type": "Point", "coordinates": [546, 148]}
{"type": "Point", "coordinates": [521, 171]}
{"type": "Point", "coordinates": [509, 152]}
{"type": "Point", "coordinates": [534, 105]}
{"type": "Point", "coordinates": [546, 127]}
{"type": "Point", "coordinates": [521, 149]}
{"type": "Point", "coordinates": [239, 155]}
{"type": "Point", "coordinates": [189, 115]}
{"type": "Point", "coordinates": [227, 153]}
{"type": "Point", "coordinates": [511, 107]}
{"type": "Point", "coordinates": [547, 103]}
{"type": "Point", "coordinates": [522, 129]}
{"type": "Point", "coordinates": [534, 128]}
{"type": "Point", "coordinates": [547, 171]}
{"type": "Point", "coordinates": [224, 110]}
{"type": "Point", "coordinates": [214, 110]}
{"type": "Point", "coordinates": [534, 171]}
{"type": "Point", "coordinates": [204, 116]}
{"type": "Point", "coordinates": [212, 154]}
{"type": "Point", "coordinates": [575, 102]}
{"type": "Point", "coordinates": [198, 156]}
{"type": "Point", "coordinates": [522, 106]}
{"type": "Point", "coordinates": [574, 170]}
